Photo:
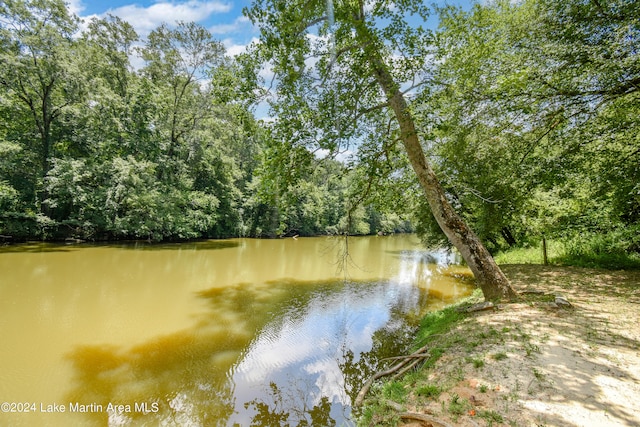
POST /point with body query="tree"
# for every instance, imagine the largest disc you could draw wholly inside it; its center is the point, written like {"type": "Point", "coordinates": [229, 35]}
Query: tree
{"type": "Point", "coordinates": [340, 71]}
{"type": "Point", "coordinates": [553, 88]}
{"type": "Point", "coordinates": [177, 60]}
{"type": "Point", "coordinates": [38, 69]}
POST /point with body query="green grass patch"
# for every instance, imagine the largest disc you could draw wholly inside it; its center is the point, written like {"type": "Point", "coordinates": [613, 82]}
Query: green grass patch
{"type": "Point", "coordinates": [375, 415]}
{"type": "Point", "coordinates": [499, 356]}
{"type": "Point", "coordinates": [458, 406]}
{"type": "Point", "coordinates": [438, 322]}
{"type": "Point", "coordinates": [435, 324]}
{"type": "Point", "coordinates": [530, 348]}
{"type": "Point", "coordinates": [429, 391]}
{"type": "Point", "coordinates": [394, 391]}
{"type": "Point", "coordinates": [477, 363]}
{"type": "Point", "coordinates": [491, 417]}
{"type": "Point", "coordinates": [539, 375]}
{"type": "Point", "coordinates": [610, 261]}
{"type": "Point", "coordinates": [435, 354]}
{"type": "Point", "coordinates": [531, 254]}
{"type": "Point", "coordinates": [615, 250]}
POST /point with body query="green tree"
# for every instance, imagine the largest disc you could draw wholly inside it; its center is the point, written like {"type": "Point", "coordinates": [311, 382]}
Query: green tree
{"type": "Point", "coordinates": [340, 68]}
{"type": "Point", "coordinates": [177, 60]}
{"type": "Point", "coordinates": [546, 91]}
{"type": "Point", "coordinates": [39, 72]}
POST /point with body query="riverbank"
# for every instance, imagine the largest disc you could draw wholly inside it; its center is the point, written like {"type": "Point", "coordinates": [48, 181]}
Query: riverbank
{"type": "Point", "coordinates": [532, 363]}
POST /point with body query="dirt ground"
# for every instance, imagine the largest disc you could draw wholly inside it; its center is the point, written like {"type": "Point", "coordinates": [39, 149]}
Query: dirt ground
{"type": "Point", "coordinates": [535, 364]}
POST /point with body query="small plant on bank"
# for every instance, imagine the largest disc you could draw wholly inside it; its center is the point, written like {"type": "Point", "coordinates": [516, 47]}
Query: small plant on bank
{"type": "Point", "coordinates": [477, 363]}
{"type": "Point", "coordinates": [394, 391]}
{"type": "Point", "coordinates": [531, 348]}
{"type": "Point", "coordinates": [458, 406]}
{"type": "Point", "coordinates": [499, 356]}
{"type": "Point", "coordinates": [430, 391]}
{"type": "Point", "coordinates": [436, 353]}
{"type": "Point", "coordinates": [491, 417]}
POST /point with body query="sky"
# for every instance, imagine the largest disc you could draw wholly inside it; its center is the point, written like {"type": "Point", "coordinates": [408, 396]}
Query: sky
{"type": "Point", "coordinates": [223, 18]}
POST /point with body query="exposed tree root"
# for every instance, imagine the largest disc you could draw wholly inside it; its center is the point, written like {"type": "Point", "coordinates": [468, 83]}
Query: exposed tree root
{"type": "Point", "coordinates": [424, 417]}
{"type": "Point", "coordinates": [407, 363]}
{"type": "Point", "coordinates": [405, 415]}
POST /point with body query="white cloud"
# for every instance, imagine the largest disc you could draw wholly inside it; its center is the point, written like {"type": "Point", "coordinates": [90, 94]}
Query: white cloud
{"type": "Point", "coordinates": [234, 49]}
{"type": "Point", "coordinates": [146, 19]}
{"type": "Point", "coordinates": [75, 6]}
{"type": "Point", "coordinates": [241, 23]}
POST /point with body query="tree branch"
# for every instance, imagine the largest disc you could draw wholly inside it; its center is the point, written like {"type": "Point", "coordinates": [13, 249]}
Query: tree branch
{"type": "Point", "coordinates": [408, 360]}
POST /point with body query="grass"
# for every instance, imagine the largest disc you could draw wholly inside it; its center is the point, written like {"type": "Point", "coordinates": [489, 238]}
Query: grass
{"type": "Point", "coordinates": [430, 391]}
{"type": "Point", "coordinates": [589, 251]}
{"type": "Point", "coordinates": [539, 375]}
{"type": "Point", "coordinates": [438, 322]}
{"type": "Point", "coordinates": [490, 417]}
{"type": "Point", "coordinates": [477, 363]}
{"type": "Point", "coordinates": [610, 261]}
{"type": "Point", "coordinates": [531, 254]}
{"type": "Point", "coordinates": [458, 406]}
{"type": "Point", "coordinates": [530, 348]}
{"type": "Point", "coordinates": [499, 356]}
{"type": "Point", "coordinates": [394, 391]}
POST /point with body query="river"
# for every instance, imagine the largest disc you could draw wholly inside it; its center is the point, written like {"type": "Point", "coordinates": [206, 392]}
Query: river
{"type": "Point", "coordinates": [222, 332]}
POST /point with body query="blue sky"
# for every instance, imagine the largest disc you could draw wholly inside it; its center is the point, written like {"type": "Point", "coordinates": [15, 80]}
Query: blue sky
{"type": "Point", "coordinates": [223, 18]}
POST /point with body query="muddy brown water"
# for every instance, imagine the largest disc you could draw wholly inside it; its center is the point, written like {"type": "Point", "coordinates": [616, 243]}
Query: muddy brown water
{"type": "Point", "coordinates": [225, 332]}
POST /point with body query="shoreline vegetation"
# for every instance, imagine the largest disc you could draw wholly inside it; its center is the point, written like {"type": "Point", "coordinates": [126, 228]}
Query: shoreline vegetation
{"type": "Point", "coordinates": [536, 362]}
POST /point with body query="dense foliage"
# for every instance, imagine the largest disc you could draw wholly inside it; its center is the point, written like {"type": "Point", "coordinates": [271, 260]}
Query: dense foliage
{"type": "Point", "coordinates": [93, 148]}
{"type": "Point", "coordinates": [528, 112]}
{"type": "Point", "coordinates": [533, 112]}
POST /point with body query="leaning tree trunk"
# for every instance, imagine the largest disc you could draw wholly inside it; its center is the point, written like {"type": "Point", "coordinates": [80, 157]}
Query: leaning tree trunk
{"type": "Point", "coordinates": [492, 281]}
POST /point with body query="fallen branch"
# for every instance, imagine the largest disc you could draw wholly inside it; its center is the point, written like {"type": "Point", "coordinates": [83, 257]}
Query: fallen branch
{"type": "Point", "coordinates": [406, 356]}
{"type": "Point", "coordinates": [392, 370]}
{"type": "Point", "coordinates": [395, 406]}
{"type": "Point", "coordinates": [487, 305]}
{"type": "Point", "coordinates": [409, 367]}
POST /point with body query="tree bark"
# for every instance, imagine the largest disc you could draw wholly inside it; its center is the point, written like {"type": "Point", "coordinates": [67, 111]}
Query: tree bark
{"type": "Point", "coordinates": [508, 236]}
{"type": "Point", "coordinates": [492, 281]}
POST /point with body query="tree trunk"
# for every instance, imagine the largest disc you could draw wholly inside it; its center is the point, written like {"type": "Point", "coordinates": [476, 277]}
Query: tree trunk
{"type": "Point", "coordinates": [492, 281]}
{"type": "Point", "coordinates": [508, 236]}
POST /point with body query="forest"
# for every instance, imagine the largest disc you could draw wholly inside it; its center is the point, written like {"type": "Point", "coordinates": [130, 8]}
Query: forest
{"type": "Point", "coordinates": [527, 113]}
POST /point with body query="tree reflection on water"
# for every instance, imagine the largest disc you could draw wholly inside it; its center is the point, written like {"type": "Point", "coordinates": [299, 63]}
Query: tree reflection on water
{"type": "Point", "coordinates": [278, 415]}
{"type": "Point", "coordinates": [285, 353]}
{"type": "Point", "coordinates": [183, 373]}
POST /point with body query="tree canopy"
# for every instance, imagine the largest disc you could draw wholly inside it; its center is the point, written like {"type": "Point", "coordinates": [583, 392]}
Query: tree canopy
{"type": "Point", "coordinates": [340, 69]}
{"type": "Point", "coordinates": [515, 119]}
{"type": "Point", "coordinates": [537, 131]}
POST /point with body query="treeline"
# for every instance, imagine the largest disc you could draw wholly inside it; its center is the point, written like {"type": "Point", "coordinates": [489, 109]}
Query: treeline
{"type": "Point", "coordinates": [93, 148]}
{"type": "Point", "coordinates": [533, 117]}
{"type": "Point", "coordinates": [528, 112]}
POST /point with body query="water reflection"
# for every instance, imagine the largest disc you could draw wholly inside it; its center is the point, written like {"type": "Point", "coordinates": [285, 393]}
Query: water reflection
{"type": "Point", "coordinates": [211, 337]}
{"type": "Point", "coordinates": [309, 362]}
{"type": "Point", "coordinates": [315, 343]}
